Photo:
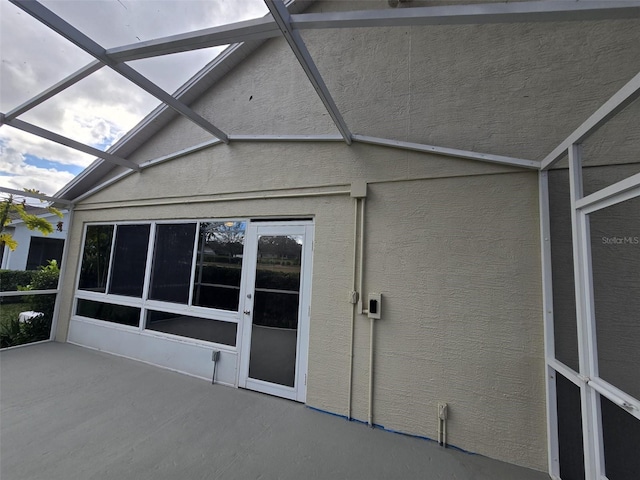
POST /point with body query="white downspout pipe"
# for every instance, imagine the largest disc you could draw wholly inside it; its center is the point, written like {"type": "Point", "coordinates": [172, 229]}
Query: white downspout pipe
{"type": "Point", "coordinates": [354, 301]}
{"type": "Point", "coordinates": [370, 417]}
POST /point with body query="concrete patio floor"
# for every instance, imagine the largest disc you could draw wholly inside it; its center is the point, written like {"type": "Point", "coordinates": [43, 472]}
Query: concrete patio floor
{"type": "Point", "coordinates": [72, 413]}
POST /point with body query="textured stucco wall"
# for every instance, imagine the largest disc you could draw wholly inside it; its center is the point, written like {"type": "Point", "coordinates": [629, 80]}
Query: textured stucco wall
{"type": "Point", "coordinates": [461, 283]}
{"type": "Point", "coordinates": [510, 89]}
{"type": "Point", "coordinates": [453, 245]}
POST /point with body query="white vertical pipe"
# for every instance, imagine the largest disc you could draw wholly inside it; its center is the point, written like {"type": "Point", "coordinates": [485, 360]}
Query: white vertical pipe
{"type": "Point", "coordinates": [361, 254]}
{"type": "Point", "coordinates": [363, 310]}
{"type": "Point", "coordinates": [354, 306]}
{"type": "Point", "coordinates": [370, 418]}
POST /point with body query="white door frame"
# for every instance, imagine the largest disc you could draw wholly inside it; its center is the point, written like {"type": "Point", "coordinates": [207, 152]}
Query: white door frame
{"type": "Point", "coordinates": [255, 229]}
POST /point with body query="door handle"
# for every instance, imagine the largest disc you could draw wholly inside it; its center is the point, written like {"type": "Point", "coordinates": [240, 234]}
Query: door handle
{"type": "Point", "coordinates": [247, 312]}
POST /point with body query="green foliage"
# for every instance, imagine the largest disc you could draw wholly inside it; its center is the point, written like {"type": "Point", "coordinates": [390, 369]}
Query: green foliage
{"type": "Point", "coordinates": [46, 278]}
{"type": "Point", "coordinates": [10, 280]}
{"type": "Point", "coordinates": [32, 222]}
{"type": "Point", "coordinates": [12, 332]}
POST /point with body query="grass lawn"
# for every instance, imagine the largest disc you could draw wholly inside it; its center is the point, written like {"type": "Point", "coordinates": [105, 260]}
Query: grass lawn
{"type": "Point", "coordinates": [9, 311]}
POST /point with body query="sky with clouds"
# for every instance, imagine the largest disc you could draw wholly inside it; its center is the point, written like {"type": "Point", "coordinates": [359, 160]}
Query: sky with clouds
{"type": "Point", "coordinates": [101, 108]}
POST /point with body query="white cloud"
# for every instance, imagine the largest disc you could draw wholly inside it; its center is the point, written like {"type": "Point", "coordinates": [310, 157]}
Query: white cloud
{"type": "Point", "coordinates": [103, 107]}
{"type": "Point", "coordinates": [17, 174]}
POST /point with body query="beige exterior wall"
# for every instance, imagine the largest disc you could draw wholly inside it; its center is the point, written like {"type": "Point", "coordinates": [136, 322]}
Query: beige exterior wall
{"type": "Point", "coordinates": [452, 245]}
{"type": "Point", "coordinates": [454, 253]}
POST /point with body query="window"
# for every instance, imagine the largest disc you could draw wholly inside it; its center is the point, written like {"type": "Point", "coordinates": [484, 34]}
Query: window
{"type": "Point", "coordinates": [195, 264]}
{"type": "Point", "coordinates": [42, 250]}
{"type": "Point", "coordinates": [193, 327]}
{"type": "Point", "coordinates": [109, 312]}
{"type": "Point", "coordinates": [172, 260]}
{"type": "Point", "coordinates": [95, 258]}
{"type": "Point", "coordinates": [129, 260]}
{"type": "Point", "coordinates": [219, 265]}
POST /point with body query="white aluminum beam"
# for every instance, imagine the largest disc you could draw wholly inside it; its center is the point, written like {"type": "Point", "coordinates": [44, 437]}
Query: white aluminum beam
{"type": "Point", "coordinates": [67, 142]}
{"type": "Point", "coordinates": [68, 31]}
{"type": "Point", "coordinates": [449, 152]}
{"type": "Point", "coordinates": [587, 349]}
{"type": "Point", "coordinates": [512, 12]}
{"type": "Point", "coordinates": [39, 196]}
{"type": "Point", "coordinates": [283, 19]}
{"type": "Point", "coordinates": [621, 99]}
{"type": "Point", "coordinates": [617, 396]}
{"type": "Point", "coordinates": [618, 192]}
{"type": "Point", "coordinates": [257, 29]}
{"type": "Point", "coordinates": [55, 89]}
{"type": "Point", "coordinates": [287, 138]}
{"type": "Point", "coordinates": [547, 316]}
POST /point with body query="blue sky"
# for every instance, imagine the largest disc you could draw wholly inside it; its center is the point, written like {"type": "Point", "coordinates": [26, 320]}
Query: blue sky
{"type": "Point", "coordinates": [101, 108]}
{"type": "Point", "coordinates": [48, 164]}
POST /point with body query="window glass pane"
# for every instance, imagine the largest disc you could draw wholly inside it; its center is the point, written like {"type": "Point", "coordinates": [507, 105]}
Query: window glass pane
{"type": "Point", "coordinates": [129, 260]}
{"type": "Point", "coordinates": [42, 250]}
{"type": "Point", "coordinates": [193, 327]}
{"type": "Point", "coordinates": [275, 309]}
{"type": "Point", "coordinates": [615, 249]}
{"type": "Point", "coordinates": [621, 436]}
{"type": "Point", "coordinates": [172, 259]}
{"type": "Point", "coordinates": [109, 312]}
{"type": "Point", "coordinates": [219, 265]}
{"type": "Point", "coordinates": [95, 258]}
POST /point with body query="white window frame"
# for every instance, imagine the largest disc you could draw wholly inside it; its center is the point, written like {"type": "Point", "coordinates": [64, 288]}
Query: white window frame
{"type": "Point", "coordinates": [143, 302]}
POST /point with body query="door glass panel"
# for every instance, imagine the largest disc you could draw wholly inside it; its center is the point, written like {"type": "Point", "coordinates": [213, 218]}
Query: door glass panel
{"type": "Point", "coordinates": [274, 331]}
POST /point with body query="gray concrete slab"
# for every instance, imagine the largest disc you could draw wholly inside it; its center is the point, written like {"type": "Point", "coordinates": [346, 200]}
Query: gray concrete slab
{"type": "Point", "coordinates": [71, 413]}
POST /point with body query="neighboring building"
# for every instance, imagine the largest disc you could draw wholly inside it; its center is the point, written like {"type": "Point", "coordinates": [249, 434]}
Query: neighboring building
{"type": "Point", "coordinates": [34, 248]}
{"type": "Point", "coordinates": [258, 249]}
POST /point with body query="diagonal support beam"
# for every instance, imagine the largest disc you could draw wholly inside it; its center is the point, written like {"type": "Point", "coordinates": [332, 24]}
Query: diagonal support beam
{"type": "Point", "coordinates": [257, 29]}
{"type": "Point", "coordinates": [39, 196]}
{"type": "Point", "coordinates": [283, 19]}
{"type": "Point", "coordinates": [510, 12]}
{"type": "Point", "coordinates": [449, 152]}
{"type": "Point", "coordinates": [68, 31]}
{"type": "Point", "coordinates": [67, 142]}
{"type": "Point", "coordinates": [55, 89]}
{"type": "Point", "coordinates": [618, 102]}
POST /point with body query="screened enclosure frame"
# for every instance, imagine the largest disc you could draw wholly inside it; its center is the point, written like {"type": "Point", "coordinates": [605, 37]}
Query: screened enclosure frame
{"type": "Point", "coordinates": [280, 22]}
